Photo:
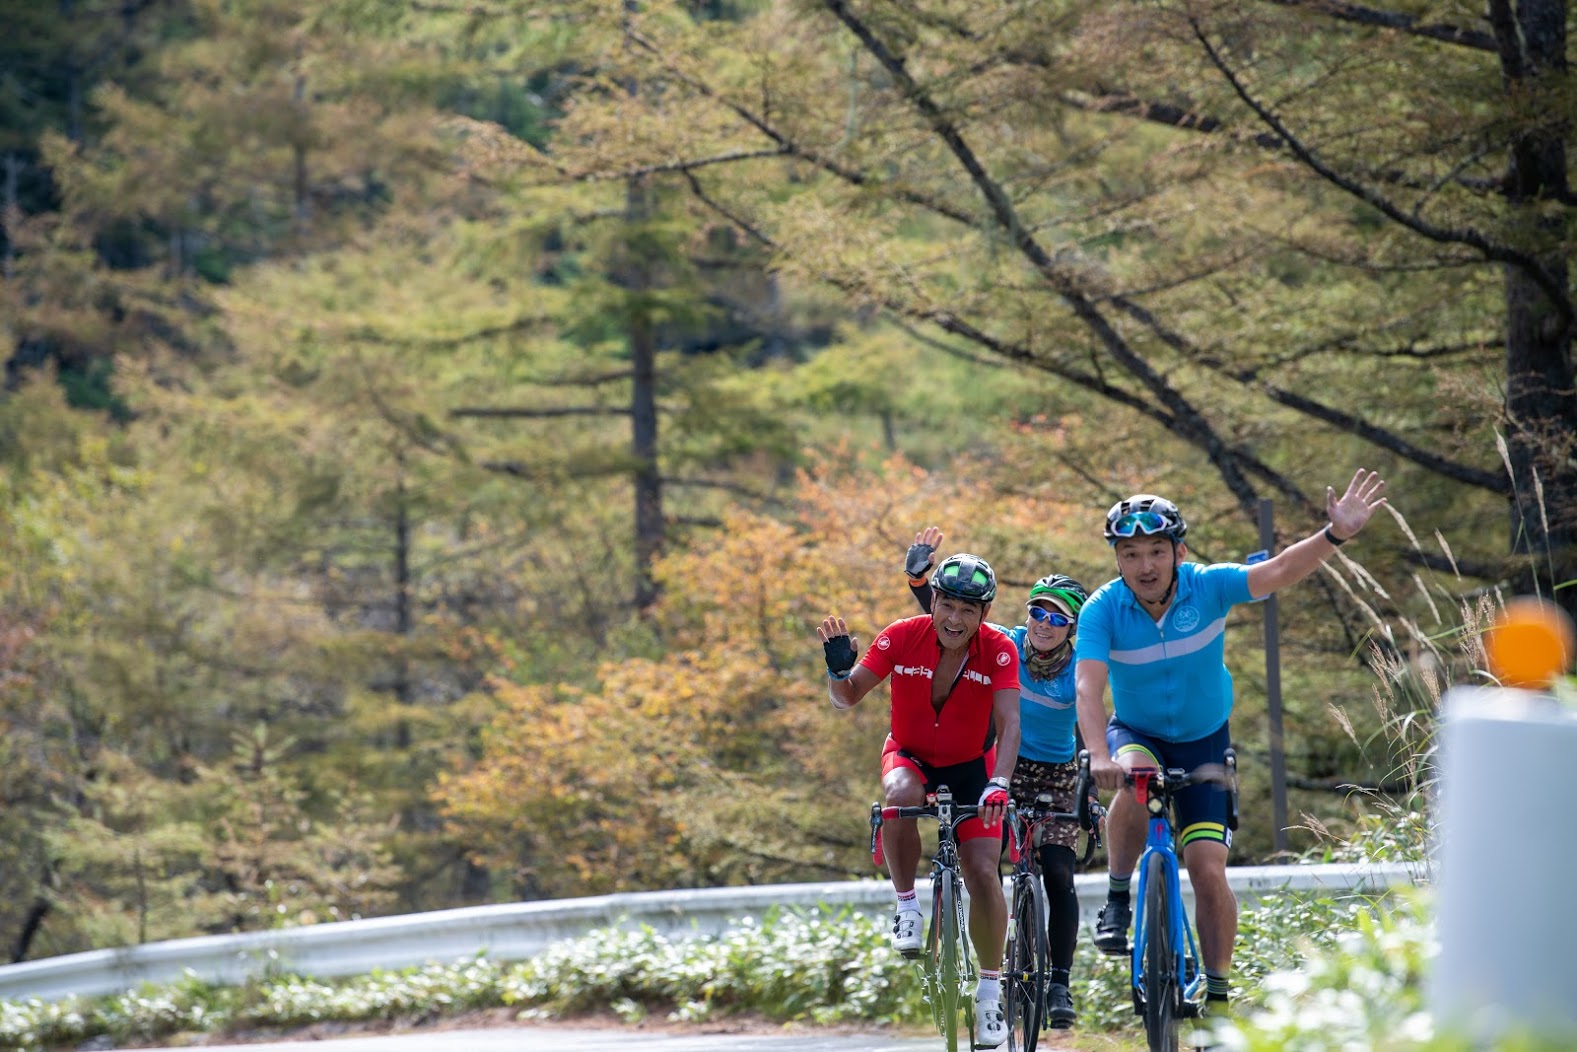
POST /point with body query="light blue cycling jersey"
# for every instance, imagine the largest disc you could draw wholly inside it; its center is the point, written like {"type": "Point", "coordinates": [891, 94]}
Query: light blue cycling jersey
{"type": "Point", "coordinates": [1046, 710]}
{"type": "Point", "coordinates": [1168, 679]}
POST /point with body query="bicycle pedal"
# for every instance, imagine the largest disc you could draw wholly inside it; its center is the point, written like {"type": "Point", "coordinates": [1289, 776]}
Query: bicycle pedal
{"type": "Point", "coordinates": [1191, 1010]}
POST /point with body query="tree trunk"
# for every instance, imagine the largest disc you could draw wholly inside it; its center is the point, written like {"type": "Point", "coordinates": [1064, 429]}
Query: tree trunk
{"type": "Point", "coordinates": [643, 396]}
{"type": "Point", "coordinates": [10, 215]}
{"type": "Point", "coordinates": [1541, 394]}
{"type": "Point", "coordinates": [31, 924]}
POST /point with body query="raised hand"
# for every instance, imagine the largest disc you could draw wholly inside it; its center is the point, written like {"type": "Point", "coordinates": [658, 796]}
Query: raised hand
{"type": "Point", "coordinates": [917, 562]}
{"type": "Point", "coordinates": [839, 648]}
{"type": "Point", "coordinates": [1349, 512]}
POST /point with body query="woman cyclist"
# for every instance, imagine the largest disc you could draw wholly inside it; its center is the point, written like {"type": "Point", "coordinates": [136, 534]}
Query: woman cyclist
{"type": "Point", "coordinates": [1047, 749]}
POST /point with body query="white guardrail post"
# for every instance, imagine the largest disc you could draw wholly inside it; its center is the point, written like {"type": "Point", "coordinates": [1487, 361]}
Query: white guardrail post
{"type": "Point", "coordinates": [518, 931]}
{"type": "Point", "coordinates": [1508, 860]}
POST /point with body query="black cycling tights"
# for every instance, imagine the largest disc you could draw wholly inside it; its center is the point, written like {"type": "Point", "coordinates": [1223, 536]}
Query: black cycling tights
{"type": "Point", "coordinates": [1062, 904]}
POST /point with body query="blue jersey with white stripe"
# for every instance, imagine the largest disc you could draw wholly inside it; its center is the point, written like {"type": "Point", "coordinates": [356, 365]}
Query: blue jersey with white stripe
{"type": "Point", "coordinates": [1046, 710]}
{"type": "Point", "coordinates": [1169, 679]}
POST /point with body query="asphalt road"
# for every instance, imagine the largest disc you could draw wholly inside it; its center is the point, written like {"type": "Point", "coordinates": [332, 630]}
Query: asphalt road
{"type": "Point", "coordinates": [557, 1039]}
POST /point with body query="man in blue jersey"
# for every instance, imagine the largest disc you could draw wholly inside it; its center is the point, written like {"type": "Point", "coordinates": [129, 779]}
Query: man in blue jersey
{"type": "Point", "coordinates": [1155, 636]}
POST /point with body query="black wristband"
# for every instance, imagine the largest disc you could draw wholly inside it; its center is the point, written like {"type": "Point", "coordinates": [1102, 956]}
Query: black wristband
{"type": "Point", "coordinates": [1335, 541]}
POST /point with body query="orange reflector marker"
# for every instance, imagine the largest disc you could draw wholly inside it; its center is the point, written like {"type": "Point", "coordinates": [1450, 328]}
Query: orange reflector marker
{"type": "Point", "coordinates": [1530, 644]}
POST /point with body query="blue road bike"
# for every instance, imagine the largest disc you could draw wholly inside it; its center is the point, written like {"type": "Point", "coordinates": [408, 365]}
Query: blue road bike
{"type": "Point", "coordinates": [1168, 985]}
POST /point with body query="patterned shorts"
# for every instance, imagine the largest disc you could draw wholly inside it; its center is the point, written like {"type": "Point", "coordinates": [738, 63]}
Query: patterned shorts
{"type": "Point", "coordinates": [1031, 778]}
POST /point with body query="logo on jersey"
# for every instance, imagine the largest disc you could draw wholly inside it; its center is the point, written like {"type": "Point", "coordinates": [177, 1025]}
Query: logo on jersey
{"type": "Point", "coordinates": [977, 677]}
{"type": "Point", "coordinates": [911, 670]}
{"type": "Point", "coordinates": [1003, 659]}
{"type": "Point", "coordinates": [1185, 618]}
{"type": "Point", "coordinates": [883, 643]}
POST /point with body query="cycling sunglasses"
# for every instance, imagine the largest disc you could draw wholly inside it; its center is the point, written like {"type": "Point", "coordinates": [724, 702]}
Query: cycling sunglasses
{"type": "Point", "coordinates": [1146, 522]}
{"type": "Point", "coordinates": [1057, 618]}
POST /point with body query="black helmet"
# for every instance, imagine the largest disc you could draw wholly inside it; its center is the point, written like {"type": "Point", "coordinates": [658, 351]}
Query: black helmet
{"type": "Point", "coordinates": [965, 576]}
{"type": "Point", "coordinates": [1062, 588]}
{"type": "Point", "coordinates": [1144, 514]}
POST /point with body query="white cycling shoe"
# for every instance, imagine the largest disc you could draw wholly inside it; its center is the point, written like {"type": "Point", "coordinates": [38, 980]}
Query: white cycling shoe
{"type": "Point", "coordinates": [991, 1026]}
{"type": "Point", "coordinates": [906, 932]}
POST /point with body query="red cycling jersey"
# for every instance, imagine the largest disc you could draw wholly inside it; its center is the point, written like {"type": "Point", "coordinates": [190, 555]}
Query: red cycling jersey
{"type": "Point", "coordinates": [908, 650]}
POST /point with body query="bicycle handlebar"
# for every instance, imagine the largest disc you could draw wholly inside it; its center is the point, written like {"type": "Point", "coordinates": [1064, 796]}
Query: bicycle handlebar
{"type": "Point", "coordinates": [1167, 783]}
{"type": "Point", "coordinates": [1087, 813]}
{"type": "Point", "coordinates": [880, 814]}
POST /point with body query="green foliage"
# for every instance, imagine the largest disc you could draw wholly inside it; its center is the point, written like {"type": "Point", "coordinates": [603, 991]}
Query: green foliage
{"type": "Point", "coordinates": [823, 966]}
{"type": "Point", "coordinates": [1360, 986]}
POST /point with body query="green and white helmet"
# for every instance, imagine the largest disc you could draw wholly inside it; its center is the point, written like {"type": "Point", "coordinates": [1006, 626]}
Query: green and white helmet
{"type": "Point", "coordinates": [965, 576]}
{"type": "Point", "coordinates": [1063, 589]}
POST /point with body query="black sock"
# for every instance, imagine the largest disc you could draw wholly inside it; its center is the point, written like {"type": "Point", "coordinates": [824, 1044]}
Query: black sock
{"type": "Point", "coordinates": [1117, 889]}
{"type": "Point", "coordinates": [1216, 987]}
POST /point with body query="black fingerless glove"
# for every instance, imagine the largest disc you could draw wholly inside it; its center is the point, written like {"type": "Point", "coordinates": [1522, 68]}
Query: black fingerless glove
{"type": "Point", "coordinates": [840, 655]}
{"type": "Point", "coordinates": [917, 563]}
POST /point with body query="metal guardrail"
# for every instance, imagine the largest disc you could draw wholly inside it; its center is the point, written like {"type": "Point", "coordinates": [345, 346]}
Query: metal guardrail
{"type": "Point", "coordinates": [518, 931]}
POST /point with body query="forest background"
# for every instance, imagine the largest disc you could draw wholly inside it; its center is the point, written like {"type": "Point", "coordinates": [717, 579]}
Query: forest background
{"type": "Point", "coordinates": [431, 431]}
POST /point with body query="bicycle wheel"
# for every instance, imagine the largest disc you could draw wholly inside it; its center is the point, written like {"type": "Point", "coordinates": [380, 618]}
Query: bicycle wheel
{"type": "Point", "coordinates": [944, 958]}
{"type": "Point", "coordinates": [931, 958]}
{"type": "Point", "coordinates": [1027, 968]}
{"type": "Point", "coordinates": [1160, 961]}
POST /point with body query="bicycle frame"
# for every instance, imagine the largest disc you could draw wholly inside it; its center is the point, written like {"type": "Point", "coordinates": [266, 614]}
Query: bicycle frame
{"type": "Point", "coordinates": [947, 968]}
{"type": "Point", "coordinates": [1159, 843]}
{"type": "Point", "coordinates": [1025, 968]}
{"type": "Point", "coordinates": [1175, 993]}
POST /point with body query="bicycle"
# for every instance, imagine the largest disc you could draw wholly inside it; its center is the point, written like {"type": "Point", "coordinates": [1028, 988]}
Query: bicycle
{"type": "Point", "coordinates": [1167, 981]}
{"type": "Point", "coordinates": [1026, 965]}
{"type": "Point", "coordinates": [947, 970]}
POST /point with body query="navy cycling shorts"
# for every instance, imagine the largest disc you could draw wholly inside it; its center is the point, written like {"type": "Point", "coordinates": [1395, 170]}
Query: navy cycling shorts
{"type": "Point", "coordinates": [1201, 810]}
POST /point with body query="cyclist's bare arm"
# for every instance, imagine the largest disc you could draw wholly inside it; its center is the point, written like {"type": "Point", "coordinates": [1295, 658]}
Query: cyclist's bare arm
{"type": "Point", "coordinates": [845, 693]}
{"type": "Point", "coordinates": [1348, 514]}
{"type": "Point", "coordinates": [1005, 708]}
{"type": "Point", "coordinates": [1089, 679]}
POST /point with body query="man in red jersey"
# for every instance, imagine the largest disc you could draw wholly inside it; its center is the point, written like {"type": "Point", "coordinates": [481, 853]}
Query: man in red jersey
{"type": "Point", "coordinates": [955, 690]}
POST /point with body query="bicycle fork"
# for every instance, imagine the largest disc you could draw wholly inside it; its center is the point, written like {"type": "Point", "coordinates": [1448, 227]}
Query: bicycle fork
{"type": "Point", "coordinates": [1180, 939]}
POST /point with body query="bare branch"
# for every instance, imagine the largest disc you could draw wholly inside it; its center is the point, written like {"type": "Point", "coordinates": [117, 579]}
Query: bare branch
{"type": "Point", "coordinates": [1494, 482]}
{"type": "Point", "coordinates": [1127, 104]}
{"type": "Point", "coordinates": [1555, 290]}
{"type": "Point", "coordinates": [1476, 39]}
{"type": "Point", "coordinates": [507, 412]}
{"type": "Point", "coordinates": [592, 380]}
{"type": "Point", "coordinates": [850, 175]}
{"type": "Point", "coordinates": [683, 166]}
{"type": "Point", "coordinates": [1190, 422]}
{"type": "Point", "coordinates": [367, 335]}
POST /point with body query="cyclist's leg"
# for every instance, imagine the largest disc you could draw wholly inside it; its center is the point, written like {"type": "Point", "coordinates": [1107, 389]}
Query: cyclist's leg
{"type": "Point", "coordinates": [1125, 832]}
{"type": "Point", "coordinates": [1205, 842]}
{"type": "Point", "coordinates": [988, 910]}
{"type": "Point", "coordinates": [1055, 851]}
{"type": "Point", "coordinates": [980, 856]}
{"type": "Point", "coordinates": [903, 785]}
{"type": "Point", "coordinates": [1215, 907]}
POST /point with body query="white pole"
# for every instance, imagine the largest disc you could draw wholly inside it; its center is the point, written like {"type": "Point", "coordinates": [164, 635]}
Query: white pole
{"type": "Point", "coordinates": [1508, 867]}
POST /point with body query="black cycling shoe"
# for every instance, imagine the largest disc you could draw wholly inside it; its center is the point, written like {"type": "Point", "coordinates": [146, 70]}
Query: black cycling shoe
{"type": "Point", "coordinates": [1111, 928]}
{"type": "Point", "coordinates": [1059, 1007]}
